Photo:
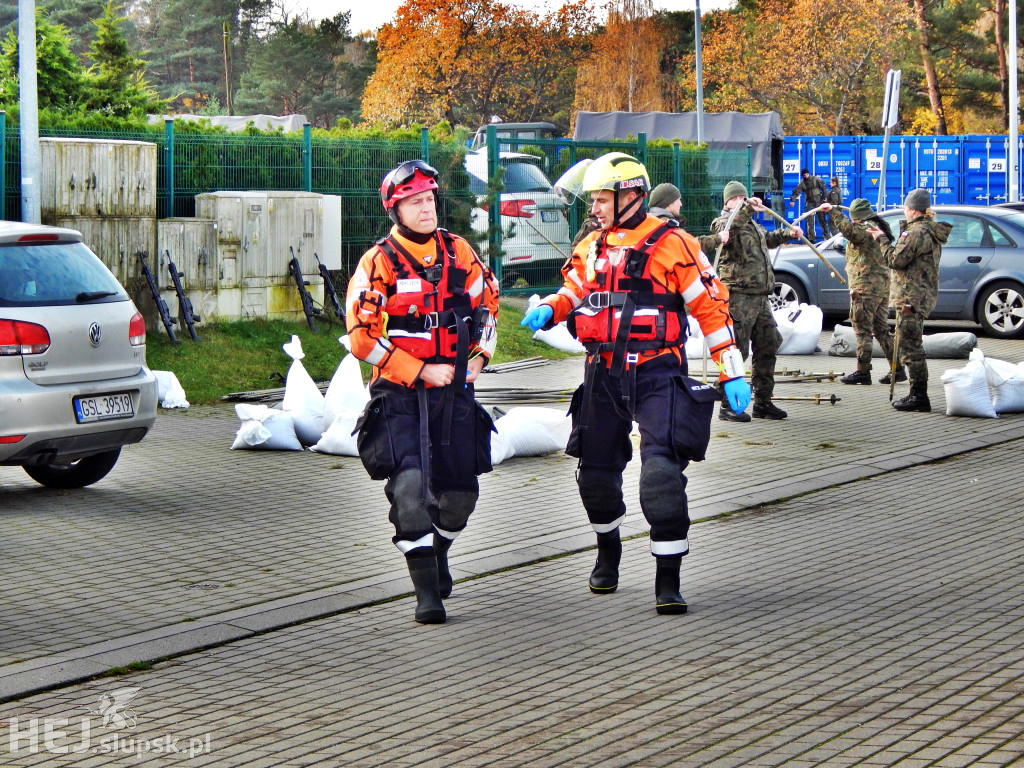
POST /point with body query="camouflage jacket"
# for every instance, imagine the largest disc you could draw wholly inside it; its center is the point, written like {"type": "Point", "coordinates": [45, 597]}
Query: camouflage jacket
{"type": "Point", "coordinates": [813, 188]}
{"type": "Point", "coordinates": [708, 243]}
{"type": "Point", "coordinates": [745, 265]}
{"type": "Point", "coordinates": [867, 270]}
{"type": "Point", "coordinates": [914, 259]}
{"type": "Point", "coordinates": [834, 196]}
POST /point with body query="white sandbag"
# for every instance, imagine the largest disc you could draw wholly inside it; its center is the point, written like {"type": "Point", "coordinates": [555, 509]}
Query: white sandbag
{"type": "Point", "coordinates": [800, 326]}
{"type": "Point", "coordinates": [559, 338]}
{"type": "Point", "coordinates": [169, 391]}
{"type": "Point", "coordinates": [302, 397]}
{"type": "Point", "coordinates": [967, 392]}
{"type": "Point", "coordinates": [1006, 385]}
{"type": "Point", "coordinates": [346, 392]}
{"type": "Point", "coordinates": [338, 438]}
{"type": "Point", "coordinates": [937, 346]}
{"type": "Point", "coordinates": [694, 339]}
{"type": "Point", "coordinates": [501, 448]}
{"type": "Point", "coordinates": [264, 429]}
{"type": "Point", "coordinates": [531, 431]}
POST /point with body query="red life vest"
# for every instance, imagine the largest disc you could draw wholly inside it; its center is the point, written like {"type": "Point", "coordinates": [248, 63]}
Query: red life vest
{"type": "Point", "coordinates": [426, 305]}
{"type": "Point", "coordinates": [625, 310]}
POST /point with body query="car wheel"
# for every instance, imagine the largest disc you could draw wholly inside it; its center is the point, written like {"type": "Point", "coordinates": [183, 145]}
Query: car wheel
{"type": "Point", "coordinates": [787, 290]}
{"type": "Point", "coordinates": [1000, 310]}
{"type": "Point", "coordinates": [75, 474]}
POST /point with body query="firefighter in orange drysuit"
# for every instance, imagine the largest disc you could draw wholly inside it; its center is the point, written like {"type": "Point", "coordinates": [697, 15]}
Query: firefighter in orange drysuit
{"type": "Point", "coordinates": [421, 310]}
{"type": "Point", "coordinates": [626, 291]}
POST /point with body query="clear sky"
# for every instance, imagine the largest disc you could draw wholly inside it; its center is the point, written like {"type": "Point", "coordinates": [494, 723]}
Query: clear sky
{"type": "Point", "coordinates": [371, 14]}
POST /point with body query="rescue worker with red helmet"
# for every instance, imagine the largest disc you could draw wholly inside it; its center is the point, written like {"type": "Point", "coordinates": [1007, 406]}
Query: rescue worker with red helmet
{"type": "Point", "coordinates": [421, 311]}
{"type": "Point", "coordinates": [626, 292]}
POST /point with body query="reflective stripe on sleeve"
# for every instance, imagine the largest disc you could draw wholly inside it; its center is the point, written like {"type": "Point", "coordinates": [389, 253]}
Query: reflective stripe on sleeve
{"type": "Point", "coordinates": [379, 352]}
{"type": "Point", "coordinates": [719, 337]}
{"type": "Point", "coordinates": [572, 297]}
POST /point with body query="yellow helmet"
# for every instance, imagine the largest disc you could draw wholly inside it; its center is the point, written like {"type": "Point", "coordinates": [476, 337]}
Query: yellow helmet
{"type": "Point", "coordinates": [618, 172]}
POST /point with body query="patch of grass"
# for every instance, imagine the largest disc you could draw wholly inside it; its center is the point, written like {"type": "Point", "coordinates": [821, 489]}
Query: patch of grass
{"type": "Point", "coordinates": [246, 355]}
{"type": "Point", "coordinates": [135, 666]}
{"type": "Point", "coordinates": [820, 446]}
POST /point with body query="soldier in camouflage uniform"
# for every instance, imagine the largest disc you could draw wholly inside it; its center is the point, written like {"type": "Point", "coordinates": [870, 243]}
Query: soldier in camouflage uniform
{"type": "Point", "coordinates": [835, 199]}
{"type": "Point", "coordinates": [666, 203]}
{"type": "Point", "coordinates": [914, 259]}
{"type": "Point", "coordinates": [867, 274]}
{"type": "Point", "coordinates": [814, 194]}
{"type": "Point", "coordinates": [746, 269]}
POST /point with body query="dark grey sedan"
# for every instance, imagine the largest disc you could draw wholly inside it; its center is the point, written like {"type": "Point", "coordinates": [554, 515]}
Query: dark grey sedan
{"type": "Point", "coordinates": [981, 276]}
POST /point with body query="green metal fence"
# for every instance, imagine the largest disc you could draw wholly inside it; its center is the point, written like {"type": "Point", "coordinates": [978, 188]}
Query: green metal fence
{"type": "Point", "coordinates": [191, 163]}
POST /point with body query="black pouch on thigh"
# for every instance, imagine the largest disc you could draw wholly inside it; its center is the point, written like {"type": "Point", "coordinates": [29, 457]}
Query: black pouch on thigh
{"type": "Point", "coordinates": [693, 403]}
{"type": "Point", "coordinates": [484, 428]}
{"type": "Point", "coordinates": [374, 440]}
{"type": "Point", "coordinates": [573, 447]}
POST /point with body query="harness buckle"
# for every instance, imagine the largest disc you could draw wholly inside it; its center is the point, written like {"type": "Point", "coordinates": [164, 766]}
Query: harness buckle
{"type": "Point", "coordinates": [599, 300]}
{"type": "Point", "coordinates": [632, 358]}
{"type": "Point", "coordinates": [431, 321]}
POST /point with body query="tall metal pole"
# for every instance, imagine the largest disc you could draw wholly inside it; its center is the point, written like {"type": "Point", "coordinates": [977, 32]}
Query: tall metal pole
{"type": "Point", "coordinates": [28, 115]}
{"type": "Point", "coordinates": [700, 75]}
{"type": "Point", "coordinates": [1012, 153]}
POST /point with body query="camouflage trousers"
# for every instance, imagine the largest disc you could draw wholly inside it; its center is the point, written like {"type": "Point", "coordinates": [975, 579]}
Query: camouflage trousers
{"type": "Point", "coordinates": [754, 326]}
{"type": "Point", "coordinates": [912, 349]}
{"type": "Point", "coordinates": [870, 317]}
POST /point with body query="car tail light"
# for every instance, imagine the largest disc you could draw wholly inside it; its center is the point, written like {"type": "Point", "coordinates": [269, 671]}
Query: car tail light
{"type": "Point", "coordinates": [20, 338]}
{"type": "Point", "coordinates": [39, 238]}
{"type": "Point", "coordinates": [518, 208]}
{"type": "Point", "coordinates": [11, 439]}
{"type": "Point", "coordinates": [137, 330]}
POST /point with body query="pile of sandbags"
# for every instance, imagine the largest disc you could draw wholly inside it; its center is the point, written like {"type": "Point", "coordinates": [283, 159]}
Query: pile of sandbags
{"type": "Point", "coordinates": [529, 431]}
{"type": "Point", "coordinates": [307, 418]}
{"type": "Point", "coordinates": [799, 324]}
{"type": "Point", "coordinates": [984, 388]}
{"type": "Point", "coordinates": [937, 346]}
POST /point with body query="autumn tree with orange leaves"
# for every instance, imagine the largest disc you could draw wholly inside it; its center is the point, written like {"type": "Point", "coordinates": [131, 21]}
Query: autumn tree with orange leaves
{"type": "Point", "coordinates": [622, 71]}
{"type": "Point", "coordinates": [824, 73]}
{"type": "Point", "coordinates": [466, 60]}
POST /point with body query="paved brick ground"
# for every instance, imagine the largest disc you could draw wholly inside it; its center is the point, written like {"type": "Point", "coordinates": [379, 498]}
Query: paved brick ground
{"type": "Point", "coordinates": [189, 544]}
{"type": "Point", "coordinates": [875, 624]}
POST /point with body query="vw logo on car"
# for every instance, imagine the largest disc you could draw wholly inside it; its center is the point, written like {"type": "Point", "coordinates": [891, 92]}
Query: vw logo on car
{"type": "Point", "coordinates": [95, 334]}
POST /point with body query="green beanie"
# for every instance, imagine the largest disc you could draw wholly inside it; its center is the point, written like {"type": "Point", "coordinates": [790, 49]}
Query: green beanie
{"type": "Point", "coordinates": [732, 189]}
{"type": "Point", "coordinates": [918, 199]}
{"type": "Point", "coordinates": [860, 209]}
{"type": "Point", "coordinates": [663, 195]}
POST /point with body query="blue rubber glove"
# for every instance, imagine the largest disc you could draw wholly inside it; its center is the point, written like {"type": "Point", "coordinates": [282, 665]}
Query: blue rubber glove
{"type": "Point", "coordinates": [538, 317]}
{"type": "Point", "coordinates": [737, 392]}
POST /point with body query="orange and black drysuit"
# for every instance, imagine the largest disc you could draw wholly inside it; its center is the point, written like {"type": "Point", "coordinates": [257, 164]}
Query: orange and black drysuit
{"type": "Point", "coordinates": [409, 304]}
{"type": "Point", "coordinates": [625, 295]}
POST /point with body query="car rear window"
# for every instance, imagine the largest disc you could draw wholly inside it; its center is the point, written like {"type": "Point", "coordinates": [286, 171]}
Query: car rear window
{"type": "Point", "coordinates": [54, 274]}
{"type": "Point", "coordinates": [519, 177]}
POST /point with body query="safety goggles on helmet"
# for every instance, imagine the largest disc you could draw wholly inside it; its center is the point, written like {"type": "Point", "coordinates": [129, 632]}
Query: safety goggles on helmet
{"type": "Point", "coordinates": [618, 172]}
{"type": "Point", "coordinates": [406, 180]}
{"type": "Point", "coordinates": [570, 184]}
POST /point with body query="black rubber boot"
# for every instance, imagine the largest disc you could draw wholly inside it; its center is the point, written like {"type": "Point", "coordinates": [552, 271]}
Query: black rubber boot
{"type": "Point", "coordinates": [667, 599]}
{"type": "Point", "coordinates": [444, 576]}
{"type": "Point", "coordinates": [901, 375]}
{"type": "Point", "coordinates": [726, 413]}
{"type": "Point", "coordinates": [429, 608]}
{"type": "Point", "coordinates": [604, 579]}
{"type": "Point", "coordinates": [768, 411]}
{"type": "Point", "coordinates": [857, 377]}
{"type": "Point", "coordinates": [915, 401]}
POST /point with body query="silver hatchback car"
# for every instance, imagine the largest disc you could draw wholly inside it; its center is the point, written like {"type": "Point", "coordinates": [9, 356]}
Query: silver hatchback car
{"type": "Point", "coordinates": [981, 275]}
{"type": "Point", "coordinates": [74, 386]}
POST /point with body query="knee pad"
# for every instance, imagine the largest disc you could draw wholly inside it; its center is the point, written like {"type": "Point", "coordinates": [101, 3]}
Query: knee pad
{"type": "Point", "coordinates": [662, 489]}
{"type": "Point", "coordinates": [409, 512]}
{"type": "Point", "coordinates": [455, 509]}
{"type": "Point", "coordinates": [601, 494]}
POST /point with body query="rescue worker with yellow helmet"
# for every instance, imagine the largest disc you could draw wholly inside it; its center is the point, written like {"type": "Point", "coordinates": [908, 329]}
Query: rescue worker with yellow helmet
{"type": "Point", "coordinates": [627, 287]}
{"type": "Point", "coordinates": [421, 310]}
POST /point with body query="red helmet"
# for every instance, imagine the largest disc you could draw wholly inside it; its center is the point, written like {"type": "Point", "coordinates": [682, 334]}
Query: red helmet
{"type": "Point", "coordinates": [407, 180]}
